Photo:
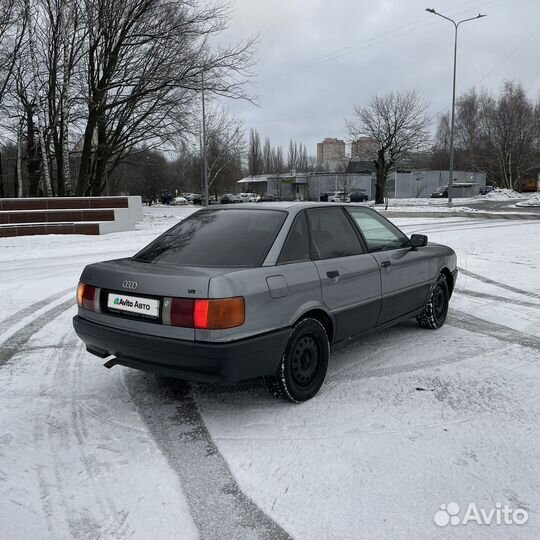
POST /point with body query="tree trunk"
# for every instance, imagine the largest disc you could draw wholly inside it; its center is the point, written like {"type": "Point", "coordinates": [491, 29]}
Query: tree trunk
{"type": "Point", "coordinates": [18, 168]}
{"type": "Point", "coordinates": [59, 164]}
{"type": "Point", "coordinates": [64, 132]}
{"type": "Point", "coordinates": [47, 186]}
{"type": "Point", "coordinates": [380, 187]}
{"type": "Point", "coordinates": [86, 154]}
{"type": "Point", "coordinates": [32, 157]}
{"type": "Point", "coordinates": [1, 177]}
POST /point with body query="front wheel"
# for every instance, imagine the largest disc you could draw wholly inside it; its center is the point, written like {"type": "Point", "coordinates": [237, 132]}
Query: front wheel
{"type": "Point", "coordinates": [304, 363]}
{"type": "Point", "coordinates": [436, 310]}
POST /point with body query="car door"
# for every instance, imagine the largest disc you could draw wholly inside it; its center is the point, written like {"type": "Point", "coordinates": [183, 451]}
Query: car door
{"type": "Point", "coordinates": [350, 277]}
{"type": "Point", "coordinates": [404, 271]}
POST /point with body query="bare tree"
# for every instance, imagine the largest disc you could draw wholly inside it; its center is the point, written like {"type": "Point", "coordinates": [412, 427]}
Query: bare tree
{"type": "Point", "coordinates": [292, 157]}
{"type": "Point", "coordinates": [40, 116]}
{"type": "Point", "coordinates": [343, 179]}
{"type": "Point", "coordinates": [12, 28]}
{"type": "Point", "coordinates": [469, 137]}
{"type": "Point", "coordinates": [255, 155]}
{"type": "Point", "coordinates": [400, 123]}
{"type": "Point", "coordinates": [302, 162]}
{"type": "Point", "coordinates": [511, 130]}
{"type": "Point", "coordinates": [267, 156]}
{"type": "Point", "coordinates": [278, 164]}
{"type": "Point", "coordinates": [145, 62]}
{"type": "Point", "coordinates": [225, 141]}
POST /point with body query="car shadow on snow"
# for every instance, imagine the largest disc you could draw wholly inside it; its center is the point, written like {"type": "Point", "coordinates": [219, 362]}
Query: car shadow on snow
{"type": "Point", "coordinates": [351, 357]}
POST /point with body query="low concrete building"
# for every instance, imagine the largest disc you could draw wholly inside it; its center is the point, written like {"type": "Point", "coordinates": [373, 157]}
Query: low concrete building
{"type": "Point", "coordinates": [362, 177]}
{"type": "Point", "coordinates": [307, 186]}
{"type": "Point", "coordinates": [420, 184]}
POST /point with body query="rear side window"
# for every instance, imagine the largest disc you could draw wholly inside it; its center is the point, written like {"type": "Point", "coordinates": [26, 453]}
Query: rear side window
{"type": "Point", "coordinates": [332, 234]}
{"type": "Point", "coordinates": [218, 238]}
{"type": "Point", "coordinates": [296, 248]}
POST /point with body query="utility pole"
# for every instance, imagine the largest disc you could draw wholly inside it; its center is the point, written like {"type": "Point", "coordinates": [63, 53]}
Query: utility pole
{"type": "Point", "coordinates": [451, 171]}
{"type": "Point", "coordinates": [205, 158]}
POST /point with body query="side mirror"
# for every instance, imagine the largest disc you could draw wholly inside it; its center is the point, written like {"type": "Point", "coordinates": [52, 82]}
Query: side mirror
{"type": "Point", "coordinates": [418, 240]}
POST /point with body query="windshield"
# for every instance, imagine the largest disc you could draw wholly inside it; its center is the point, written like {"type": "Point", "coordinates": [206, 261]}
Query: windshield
{"type": "Point", "coordinates": [220, 238]}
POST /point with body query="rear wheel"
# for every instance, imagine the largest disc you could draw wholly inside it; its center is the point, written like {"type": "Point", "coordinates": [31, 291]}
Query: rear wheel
{"type": "Point", "coordinates": [304, 363]}
{"type": "Point", "coordinates": [435, 312]}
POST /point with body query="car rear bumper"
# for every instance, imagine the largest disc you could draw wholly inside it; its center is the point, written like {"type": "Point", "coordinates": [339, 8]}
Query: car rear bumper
{"type": "Point", "coordinates": [189, 360]}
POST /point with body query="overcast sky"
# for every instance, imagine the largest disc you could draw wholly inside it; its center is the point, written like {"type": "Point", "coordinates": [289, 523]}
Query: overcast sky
{"type": "Point", "coordinates": [316, 59]}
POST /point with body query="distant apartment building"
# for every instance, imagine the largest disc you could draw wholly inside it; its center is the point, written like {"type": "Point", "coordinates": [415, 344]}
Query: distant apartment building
{"type": "Point", "coordinates": [330, 151]}
{"type": "Point", "coordinates": [364, 149]}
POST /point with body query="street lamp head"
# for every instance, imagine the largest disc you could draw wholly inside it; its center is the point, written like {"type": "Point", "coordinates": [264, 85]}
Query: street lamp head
{"type": "Point", "coordinates": [431, 10]}
{"type": "Point", "coordinates": [479, 16]}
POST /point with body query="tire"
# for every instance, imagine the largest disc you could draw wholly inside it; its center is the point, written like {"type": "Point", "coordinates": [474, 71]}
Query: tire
{"type": "Point", "coordinates": [436, 310]}
{"type": "Point", "coordinates": [304, 363]}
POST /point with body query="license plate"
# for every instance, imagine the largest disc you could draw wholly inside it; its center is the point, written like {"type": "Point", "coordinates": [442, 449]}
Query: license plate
{"type": "Point", "coordinates": [146, 307]}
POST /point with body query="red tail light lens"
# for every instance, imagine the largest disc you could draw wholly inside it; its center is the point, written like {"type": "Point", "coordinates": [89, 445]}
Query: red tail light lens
{"type": "Point", "coordinates": [88, 297]}
{"type": "Point", "coordinates": [181, 312]}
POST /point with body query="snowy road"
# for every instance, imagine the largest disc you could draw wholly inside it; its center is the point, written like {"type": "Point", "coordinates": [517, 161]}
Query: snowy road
{"type": "Point", "coordinates": [408, 419]}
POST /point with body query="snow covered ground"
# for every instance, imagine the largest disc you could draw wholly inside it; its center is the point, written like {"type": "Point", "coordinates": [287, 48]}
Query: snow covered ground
{"type": "Point", "coordinates": [531, 201]}
{"type": "Point", "coordinates": [498, 200]}
{"type": "Point", "coordinates": [407, 421]}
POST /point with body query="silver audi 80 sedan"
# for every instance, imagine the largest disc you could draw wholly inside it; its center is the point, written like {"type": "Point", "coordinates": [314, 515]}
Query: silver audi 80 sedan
{"type": "Point", "coordinates": [243, 291]}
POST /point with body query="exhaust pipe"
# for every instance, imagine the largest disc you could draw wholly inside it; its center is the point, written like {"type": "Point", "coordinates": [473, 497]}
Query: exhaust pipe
{"type": "Point", "coordinates": [111, 362]}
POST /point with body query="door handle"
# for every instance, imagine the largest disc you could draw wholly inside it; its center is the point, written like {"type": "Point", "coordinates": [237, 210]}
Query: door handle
{"type": "Point", "coordinates": [332, 274]}
{"type": "Point", "coordinates": [385, 264]}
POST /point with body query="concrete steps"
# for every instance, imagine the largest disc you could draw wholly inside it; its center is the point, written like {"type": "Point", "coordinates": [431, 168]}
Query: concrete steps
{"type": "Point", "coordinates": [68, 215]}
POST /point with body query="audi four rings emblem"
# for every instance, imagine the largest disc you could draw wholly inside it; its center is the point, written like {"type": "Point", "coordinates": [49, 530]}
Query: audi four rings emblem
{"type": "Point", "coordinates": [129, 284]}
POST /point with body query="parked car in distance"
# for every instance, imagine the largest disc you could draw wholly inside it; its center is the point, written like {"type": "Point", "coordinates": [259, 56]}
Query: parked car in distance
{"type": "Point", "coordinates": [268, 198]}
{"type": "Point", "coordinates": [230, 198]}
{"type": "Point", "coordinates": [248, 197]}
{"type": "Point", "coordinates": [196, 198]}
{"type": "Point", "coordinates": [358, 196]}
{"type": "Point", "coordinates": [484, 190]}
{"type": "Point", "coordinates": [179, 201]}
{"type": "Point", "coordinates": [338, 196]}
{"type": "Point", "coordinates": [440, 193]}
{"type": "Point", "coordinates": [241, 291]}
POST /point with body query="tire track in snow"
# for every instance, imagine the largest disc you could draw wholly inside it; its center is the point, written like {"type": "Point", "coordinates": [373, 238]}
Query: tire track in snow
{"type": "Point", "coordinates": [498, 284]}
{"type": "Point", "coordinates": [465, 321]}
{"type": "Point", "coordinates": [101, 518]}
{"type": "Point", "coordinates": [487, 296]}
{"type": "Point", "coordinates": [13, 344]}
{"type": "Point", "coordinates": [428, 227]}
{"type": "Point", "coordinates": [218, 506]}
{"type": "Point", "coordinates": [18, 316]}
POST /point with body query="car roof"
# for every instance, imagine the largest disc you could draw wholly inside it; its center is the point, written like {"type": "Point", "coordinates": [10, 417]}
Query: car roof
{"type": "Point", "coordinates": [289, 206]}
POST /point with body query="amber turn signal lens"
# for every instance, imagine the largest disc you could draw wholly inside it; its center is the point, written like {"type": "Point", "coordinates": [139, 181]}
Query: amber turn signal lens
{"type": "Point", "coordinates": [219, 313]}
{"type": "Point", "coordinates": [80, 292]}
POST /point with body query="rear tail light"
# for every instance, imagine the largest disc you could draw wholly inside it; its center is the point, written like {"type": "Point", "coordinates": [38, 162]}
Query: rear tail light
{"type": "Point", "coordinates": [207, 314]}
{"type": "Point", "coordinates": [181, 312]}
{"type": "Point", "coordinates": [219, 313]}
{"type": "Point", "coordinates": [88, 297]}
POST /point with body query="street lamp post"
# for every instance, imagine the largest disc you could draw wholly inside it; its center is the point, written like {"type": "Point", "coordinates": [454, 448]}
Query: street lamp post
{"type": "Point", "coordinates": [456, 24]}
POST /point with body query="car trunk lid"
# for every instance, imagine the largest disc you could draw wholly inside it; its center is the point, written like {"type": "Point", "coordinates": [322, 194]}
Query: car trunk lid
{"type": "Point", "coordinates": [127, 279]}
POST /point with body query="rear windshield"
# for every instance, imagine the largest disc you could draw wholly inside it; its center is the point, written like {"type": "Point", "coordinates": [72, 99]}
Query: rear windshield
{"type": "Point", "coordinates": [217, 237]}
